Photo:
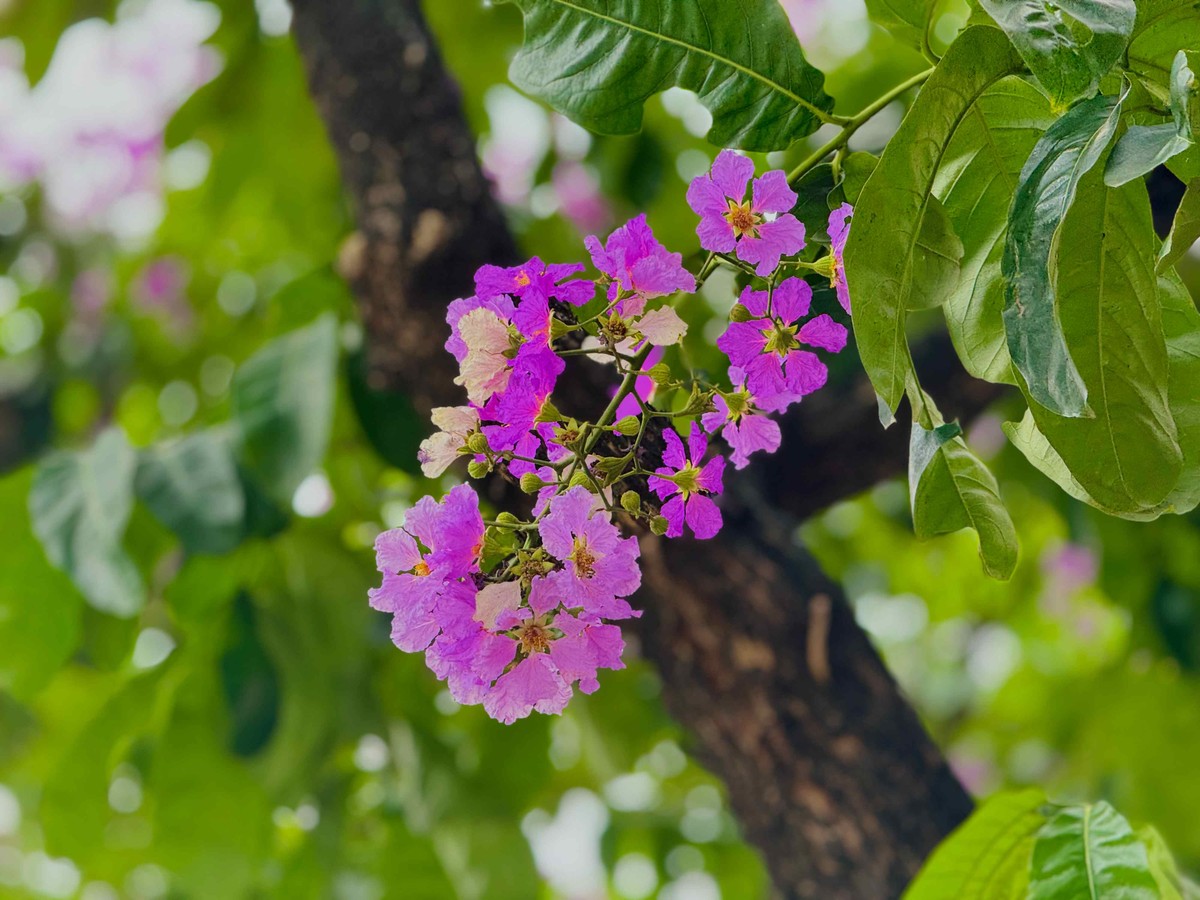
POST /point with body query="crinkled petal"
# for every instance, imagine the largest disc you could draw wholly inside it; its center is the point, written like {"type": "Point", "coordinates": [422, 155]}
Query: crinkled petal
{"type": "Point", "coordinates": [791, 300]}
{"type": "Point", "coordinates": [672, 511]}
{"type": "Point", "coordinates": [532, 684]}
{"type": "Point", "coordinates": [710, 476]}
{"type": "Point", "coordinates": [771, 193]}
{"type": "Point", "coordinates": [744, 342]}
{"type": "Point", "coordinates": [706, 198]}
{"type": "Point", "coordinates": [805, 372]}
{"type": "Point", "coordinates": [494, 599]}
{"type": "Point", "coordinates": [568, 515]}
{"type": "Point", "coordinates": [731, 172]}
{"type": "Point", "coordinates": [750, 434]}
{"type": "Point", "coordinates": [716, 234]}
{"type": "Point", "coordinates": [757, 302]}
{"type": "Point", "coordinates": [703, 517]}
{"type": "Point", "coordinates": [660, 275]}
{"type": "Point", "coordinates": [783, 237]}
{"type": "Point", "coordinates": [396, 551]}
{"type": "Point", "coordinates": [697, 444]}
{"type": "Point", "coordinates": [822, 331]}
{"type": "Point", "coordinates": [662, 327]}
{"type": "Point", "coordinates": [673, 455]}
{"type": "Point", "coordinates": [839, 227]}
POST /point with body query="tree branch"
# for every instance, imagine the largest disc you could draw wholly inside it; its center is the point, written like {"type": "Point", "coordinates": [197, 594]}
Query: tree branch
{"type": "Point", "coordinates": [827, 766]}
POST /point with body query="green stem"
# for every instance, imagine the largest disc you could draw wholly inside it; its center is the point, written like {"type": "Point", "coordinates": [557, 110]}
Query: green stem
{"type": "Point", "coordinates": [854, 123]}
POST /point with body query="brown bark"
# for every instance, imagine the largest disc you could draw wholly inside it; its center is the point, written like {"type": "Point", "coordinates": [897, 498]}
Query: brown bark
{"type": "Point", "coordinates": [827, 766]}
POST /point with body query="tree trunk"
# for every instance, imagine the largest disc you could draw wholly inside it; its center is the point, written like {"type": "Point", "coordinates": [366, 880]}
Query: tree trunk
{"type": "Point", "coordinates": [828, 769]}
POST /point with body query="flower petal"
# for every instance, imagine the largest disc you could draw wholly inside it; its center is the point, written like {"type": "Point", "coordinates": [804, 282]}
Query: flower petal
{"type": "Point", "coordinates": [822, 331]}
{"type": "Point", "coordinates": [771, 193]}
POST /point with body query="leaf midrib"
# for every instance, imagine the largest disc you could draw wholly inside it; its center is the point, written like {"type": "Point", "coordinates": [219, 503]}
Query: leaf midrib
{"type": "Point", "coordinates": [716, 57]}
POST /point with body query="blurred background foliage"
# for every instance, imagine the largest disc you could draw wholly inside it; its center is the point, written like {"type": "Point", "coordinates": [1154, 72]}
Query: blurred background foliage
{"type": "Point", "coordinates": [250, 731]}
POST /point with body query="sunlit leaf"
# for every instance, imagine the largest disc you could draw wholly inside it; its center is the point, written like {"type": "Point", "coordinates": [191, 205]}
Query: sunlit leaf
{"type": "Point", "coordinates": [1185, 230]}
{"type": "Point", "coordinates": [599, 62]}
{"type": "Point", "coordinates": [1090, 852]}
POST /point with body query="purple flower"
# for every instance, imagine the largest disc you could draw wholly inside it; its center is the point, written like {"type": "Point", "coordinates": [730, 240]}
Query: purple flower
{"type": "Point", "coordinates": [839, 230]}
{"type": "Point", "coordinates": [761, 229]}
{"type": "Point", "coordinates": [580, 199]}
{"type": "Point", "coordinates": [533, 683]}
{"type": "Point", "coordinates": [767, 347]}
{"type": "Point", "coordinates": [439, 544]}
{"type": "Point", "coordinates": [545, 281]}
{"type": "Point", "coordinates": [689, 482]}
{"type": "Point", "coordinates": [640, 267]}
{"type": "Point", "coordinates": [599, 566]}
{"type": "Point", "coordinates": [745, 429]}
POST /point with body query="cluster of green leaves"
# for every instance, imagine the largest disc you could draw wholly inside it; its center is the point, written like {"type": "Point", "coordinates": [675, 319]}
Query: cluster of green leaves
{"type": "Point", "coordinates": [1014, 187]}
{"type": "Point", "coordinates": [212, 488]}
{"type": "Point", "coordinates": [1018, 845]}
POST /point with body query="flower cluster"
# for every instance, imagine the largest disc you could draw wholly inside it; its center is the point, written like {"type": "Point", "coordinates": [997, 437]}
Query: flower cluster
{"type": "Point", "coordinates": [513, 613]}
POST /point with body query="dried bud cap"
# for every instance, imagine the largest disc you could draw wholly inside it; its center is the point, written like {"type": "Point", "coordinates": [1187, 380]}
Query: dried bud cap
{"type": "Point", "coordinates": [631, 502]}
{"type": "Point", "coordinates": [477, 443]}
{"type": "Point", "coordinates": [628, 426]}
{"type": "Point", "coordinates": [478, 469]}
{"type": "Point", "coordinates": [739, 313]}
{"type": "Point", "coordinates": [531, 483]}
{"type": "Point", "coordinates": [507, 518]}
{"type": "Point", "coordinates": [659, 525]}
{"type": "Point", "coordinates": [661, 374]}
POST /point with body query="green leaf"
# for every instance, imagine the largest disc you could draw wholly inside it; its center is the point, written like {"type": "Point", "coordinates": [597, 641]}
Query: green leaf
{"type": "Point", "coordinates": [1143, 147]}
{"type": "Point", "coordinates": [1090, 852]}
{"type": "Point", "coordinates": [950, 489]}
{"type": "Point", "coordinates": [1162, 864]}
{"type": "Point", "coordinates": [1185, 230]}
{"type": "Point", "coordinates": [39, 607]}
{"type": "Point", "coordinates": [1069, 45]}
{"type": "Point", "coordinates": [283, 405]}
{"type": "Point", "coordinates": [1069, 148]}
{"type": "Point", "coordinates": [935, 259]}
{"type": "Point", "coordinates": [883, 248]}
{"type": "Point", "coordinates": [598, 62]}
{"type": "Point", "coordinates": [1162, 28]}
{"type": "Point", "coordinates": [1127, 456]}
{"type": "Point", "coordinates": [856, 169]}
{"type": "Point", "coordinates": [909, 20]}
{"type": "Point", "coordinates": [987, 857]}
{"type": "Point", "coordinates": [1181, 328]}
{"type": "Point", "coordinates": [80, 504]}
{"type": "Point", "coordinates": [192, 486]}
{"type": "Point", "coordinates": [977, 182]}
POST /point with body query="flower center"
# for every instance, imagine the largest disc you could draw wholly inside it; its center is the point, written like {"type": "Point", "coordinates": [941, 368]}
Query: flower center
{"type": "Point", "coordinates": [743, 219]}
{"type": "Point", "coordinates": [534, 638]}
{"type": "Point", "coordinates": [738, 403]}
{"type": "Point", "coordinates": [781, 339]}
{"type": "Point", "coordinates": [522, 279]}
{"type": "Point", "coordinates": [584, 558]}
{"type": "Point", "coordinates": [421, 569]}
{"type": "Point", "coordinates": [688, 479]}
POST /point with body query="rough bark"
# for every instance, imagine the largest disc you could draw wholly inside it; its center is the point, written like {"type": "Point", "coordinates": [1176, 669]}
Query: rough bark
{"type": "Point", "coordinates": [827, 766]}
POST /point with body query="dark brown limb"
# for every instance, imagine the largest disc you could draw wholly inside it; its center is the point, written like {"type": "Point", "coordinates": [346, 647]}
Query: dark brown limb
{"type": "Point", "coordinates": [827, 766]}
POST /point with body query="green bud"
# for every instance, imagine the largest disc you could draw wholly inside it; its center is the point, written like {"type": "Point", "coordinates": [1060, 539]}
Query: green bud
{"type": "Point", "coordinates": [659, 525]}
{"type": "Point", "coordinates": [531, 483]}
{"type": "Point", "coordinates": [477, 443]}
{"type": "Point", "coordinates": [631, 502]}
{"type": "Point", "coordinates": [628, 426]}
{"type": "Point", "coordinates": [580, 478]}
{"type": "Point", "coordinates": [661, 374]}
{"type": "Point", "coordinates": [507, 518]}
{"type": "Point", "coordinates": [739, 313]}
{"type": "Point", "coordinates": [477, 469]}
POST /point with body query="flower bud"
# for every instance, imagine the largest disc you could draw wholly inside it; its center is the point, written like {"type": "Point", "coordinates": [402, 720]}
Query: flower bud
{"type": "Point", "coordinates": [628, 426]}
{"type": "Point", "coordinates": [739, 313]}
{"type": "Point", "coordinates": [581, 478]}
{"type": "Point", "coordinates": [631, 502]}
{"type": "Point", "coordinates": [659, 525]}
{"type": "Point", "coordinates": [477, 443]}
{"type": "Point", "coordinates": [661, 374]}
{"type": "Point", "coordinates": [531, 483]}
{"type": "Point", "coordinates": [507, 518]}
{"type": "Point", "coordinates": [478, 468]}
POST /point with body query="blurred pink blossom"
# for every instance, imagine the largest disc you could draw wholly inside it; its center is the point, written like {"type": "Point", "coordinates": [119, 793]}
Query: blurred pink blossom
{"type": "Point", "coordinates": [90, 132]}
{"type": "Point", "coordinates": [159, 288]}
{"type": "Point", "coordinates": [579, 197]}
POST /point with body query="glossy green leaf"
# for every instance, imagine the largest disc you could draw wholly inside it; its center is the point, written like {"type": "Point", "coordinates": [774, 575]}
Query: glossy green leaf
{"type": "Point", "coordinates": [1163, 869]}
{"type": "Point", "coordinates": [1126, 456]}
{"type": "Point", "coordinates": [950, 489]}
{"type": "Point", "coordinates": [598, 62]}
{"type": "Point", "coordinates": [80, 504]}
{"type": "Point", "coordinates": [936, 259]}
{"type": "Point", "coordinates": [192, 487]}
{"type": "Point", "coordinates": [909, 20]}
{"type": "Point", "coordinates": [1163, 27]}
{"type": "Point", "coordinates": [1047, 188]}
{"type": "Point", "coordinates": [1143, 147]}
{"type": "Point", "coordinates": [1090, 853]}
{"type": "Point", "coordinates": [987, 857]}
{"type": "Point", "coordinates": [857, 167]}
{"type": "Point", "coordinates": [283, 405]}
{"type": "Point", "coordinates": [976, 184]}
{"type": "Point", "coordinates": [1069, 45]}
{"type": "Point", "coordinates": [883, 248]}
{"type": "Point", "coordinates": [1185, 230]}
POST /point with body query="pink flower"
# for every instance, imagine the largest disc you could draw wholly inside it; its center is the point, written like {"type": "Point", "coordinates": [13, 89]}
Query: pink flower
{"type": "Point", "coordinates": [638, 265]}
{"type": "Point", "coordinates": [438, 545]}
{"type": "Point", "coordinates": [599, 566]}
{"type": "Point", "coordinates": [690, 483]}
{"type": "Point", "coordinates": [761, 229]}
{"type": "Point", "coordinates": [547, 281]}
{"type": "Point", "coordinates": [767, 347]}
{"type": "Point", "coordinates": [745, 429]}
{"type": "Point", "coordinates": [839, 231]}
